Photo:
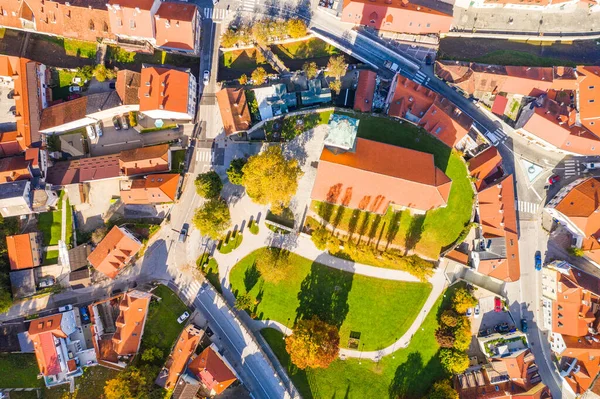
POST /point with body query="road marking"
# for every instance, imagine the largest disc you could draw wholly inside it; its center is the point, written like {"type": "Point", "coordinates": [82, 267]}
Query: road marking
{"type": "Point", "coordinates": [205, 156]}
{"type": "Point", "coordinates": [121, 143]}
{"type": "Point", "coordinates": [527, 207]}
{"type": "Point", "coordinates": [216, 14]}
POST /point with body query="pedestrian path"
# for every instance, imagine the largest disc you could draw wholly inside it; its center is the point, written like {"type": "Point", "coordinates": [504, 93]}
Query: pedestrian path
{"type": "Point", "coordinates": [572, 168]}
{"type": "Point", "coordinates": [527, 207]}
{"type": "Point", "coordinates": [216, 14]}
{"type": "Point", "coordinates": [204, 155]}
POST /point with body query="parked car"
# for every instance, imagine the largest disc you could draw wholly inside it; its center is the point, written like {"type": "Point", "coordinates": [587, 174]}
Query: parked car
{"type": "Point", "coordinates": [469, 312]}
{"type": "Point", "coordinates": [99, 128]}
{"type": "Point", "coordinates": [183, 232]}
{"type": "Point", "coordinates": [524, 325]}
{"type": "Point", "coordinates": [592, 165]}
{"type": "Point", "coordinates": [116, 123]}
{"type": "Point", "coordinates": [124, 121]}
{"type": "Point", "coordinates": [75, 89]}
{"type": "Point", "coordinates": [538, 261]}
{"type": "Point", "coordinates": [85, 316]}
{"type": "Point", "coordinates": [65, 308]}
{"type": "Point", "coordinates": [553, 179]}
{"type": "Point", "coordinates": [46, 282]}
{"type": "Point", "coordinates": [477, 311]}
{"type": "Point", "coordinates": [73, 96]}
{"type": "Point", "coordinates": [183, 317]}
{"type": "Point", "coordinates": [497, 304]}
{"type": "Point", "coordinates": [206, 77]}
{"type": "Point", "coordinates": [90, 132]}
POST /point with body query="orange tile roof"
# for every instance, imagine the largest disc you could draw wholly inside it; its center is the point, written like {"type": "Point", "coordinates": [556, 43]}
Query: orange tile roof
{"type": "Point", "coordinates": [410, 96]}
{"type": "Point", "coordinates": [14, 169]}
{"type": "Point", "coordinates": [11, 143]}
{"type": "Point", "coordinates": [498, 218]}
{"type": "Point", "coordinates": [234, 110]}
{"type": "Point", "coordinates": [15, 67]}
{"type": "Point", "coordinates": [114, 252]}
{"type": "Point", "coordinates": [128, 85]}
{"type": "Point", "coordinates": [176, 25]}
{"type": "Point", "coordinates": [21, 251]}
{"type": "Point", "coordinates": [446, 122]}
{"type": "Point", "coordinates": [458, 256]}
{"type": "Point", "coordinates": [580, 206]}
{"type": "Point", "coordinates": [363, 100]}
{"type": "Point", "coordinates": [41, 333]}
{"type": "Point", "coordinates": [133, 310]}
{"type": "Point", "coordinates": [184, 347]}
{"type": "Point", "coordinates": [398, 16]}
{"type": "Point", "coordinates": [214, 373]}
{"type": "Point", "coordinates": [142, 160]}
{"type": "Point", "coordinates": [133, 18]}
{"type": "Point", "coordinates": [153, 189]}
{"type": "Point", "coordinates": [483, 165]}
{"type": "Point", "coordinates": [378, 174]}
{"type": "Point", "coordinates": [62, 113]}
{"type": "Point", "coordinates": [589, 97]}
{"type": "Point", "coordinates": [164, 89]}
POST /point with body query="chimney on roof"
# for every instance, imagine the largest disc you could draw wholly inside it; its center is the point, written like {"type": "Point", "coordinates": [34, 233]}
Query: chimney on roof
{"type": "Point", "coordinates": [162, 83]}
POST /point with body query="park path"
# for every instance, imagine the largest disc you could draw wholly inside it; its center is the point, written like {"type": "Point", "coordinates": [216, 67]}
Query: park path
{"type": "Point", "coordinates": [303, 246]}
{"type": "Point", "coordinates": [63, 223]}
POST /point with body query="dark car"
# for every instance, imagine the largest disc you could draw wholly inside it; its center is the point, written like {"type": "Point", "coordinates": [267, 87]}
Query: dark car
{"type": "Point", "coordinates": [116, 123]}
{"type": "Point", "coordinates": [538, 261]}
{"type": "Point", "coordinates": [497, 304]}
{"type": "Point", "coordinates": [524, 325]}
{"type": "Point", "coordinates": [85, 316]}
{"type": "Point", "coordinates": [553, 179]}
{"type": "Point", "coordinates": [428, 59]}
{"type": "Point", "coordinates": [183, 232]}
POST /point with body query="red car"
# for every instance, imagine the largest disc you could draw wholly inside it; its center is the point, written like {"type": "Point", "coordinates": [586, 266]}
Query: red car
{"type": "Point", "coordinates": [73, 96]}
{"type": "Point", "coordinates": [553, 179]}
{"type": "Point", "coordinates": [497, 304]}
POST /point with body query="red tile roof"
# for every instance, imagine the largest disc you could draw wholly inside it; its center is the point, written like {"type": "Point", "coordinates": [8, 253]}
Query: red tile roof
{"type": "Point", "coordinates": [128, 85]}
{"type": "Point", "coordinates": [498, 218]}
{"type": "Point", "coordinates": [41, 333]}
{"type": "Point", "coordinates": [184, 347]}
{"type": "Point", "coordinates": [176, 25]}
{"type": "Point", "coordinates": [580, 206]}
{"type": "Point", "coordinates": [62, 113]}
{"type": "Point", "coordinates": [14, 169]}
{"type": "Point", "coordinates": [483, 165]}
{"type": "Point", "coordinates": [114, 252]}
{"type": "Point", "coordinates": [11, 143]}
{"type": "Point", "coordinates": [589, 97]}
{"type": "Point", "coordinates": [153, 189]}
{"type": "Point", "coordinates": [142, 160]}
{"type": "Point", "coordinates": [23, 251]}
{"type": "Point", "coordinates": [164, 89]}
{"type": "Point", "coordinates": [499, 106]}
{"type": "Point", "coordinates": [378, 174]}
{"type": "Point", "coordinates": [213, 372]}
{"type": "Point", "coordinates": [133, 310]}
{"type": "Point", "coordinates": [132, 18]}
{"type": "Point", "coordinates": [410, 96]}
{"type": "Point", "coordinates": [446, 122]}
{"type": "Point", "coordinates": [234, 110]}
{"type": "Point", "coordinates": [363, 100]}
{"type": "Point", "coordinates": [398, 16]}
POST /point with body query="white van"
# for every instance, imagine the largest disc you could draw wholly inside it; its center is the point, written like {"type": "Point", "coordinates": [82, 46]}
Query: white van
{"type": "Point", "coordinates": [90, 132]}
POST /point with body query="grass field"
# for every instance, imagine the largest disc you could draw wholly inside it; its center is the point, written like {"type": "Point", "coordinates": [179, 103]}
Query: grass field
{"type": "Point", "coordinates": [119, 57]}
{"type": "Point", "coordinates": [65, 79]}
{"type": "Point", "coordinates": [161, 326]}
{"type": "Point", "coordinates": [311, 48]}
{"type": "Point", "coordinates": [51, 257]}
{"type": "Point", "coordinates": [351, 302]}
{"type": "Point", "coordinates": [177, 161]}
{"type": "Point", "coordinates": [49, 223]}
{"type": "Point", "coordinates": [89, 385]}
{"type": "Point", "coordinates": [409, 373]}
{"type": "Point", "coordinates": [19, 370]}
{"type": "Point", "coordinates": [428, 234]}
{"type": "Point", "coordinates": [80, 48]}
{"type": "Point", "coordinates": [516, 58]}
{"type": "Point", "coordinates": [243, 60]}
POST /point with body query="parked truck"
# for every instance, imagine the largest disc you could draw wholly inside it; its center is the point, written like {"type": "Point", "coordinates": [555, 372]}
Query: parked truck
{"type": "Point", "coordinates": [392, 66]}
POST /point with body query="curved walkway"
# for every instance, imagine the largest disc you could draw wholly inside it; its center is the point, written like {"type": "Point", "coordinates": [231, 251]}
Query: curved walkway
{"type": "Point", "coordinates": [303, 246]}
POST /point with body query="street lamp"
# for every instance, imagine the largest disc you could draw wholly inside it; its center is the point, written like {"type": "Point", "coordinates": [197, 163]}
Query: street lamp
{"type": "Point", "coordinates": [286, 328]}
{"type": "Point", "coordinates": [360, 356]}
{"type": "Point", "coordinates": [394, 348]}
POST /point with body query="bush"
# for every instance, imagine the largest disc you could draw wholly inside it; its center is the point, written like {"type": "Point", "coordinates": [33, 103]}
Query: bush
{"type": "Point", "coordinates": [253, 227]}
{"type": "Point", "coordinates": [244, 302]}
{"type": "Point", "coordinates": [235, 172]}
{"type": "Point", "coordinates": [133, 118]}
{"type": "Point", "coordinates": [102, 73]}
{"type": "Point", "coordinates": [574, 251]}
{"type": "Point", "coordinates": [442, 390]}
{"type": "Point", "coordinates": [320, 237]}
{"type": "Point", "coordinates": [209, 185]}
{"type": "Point", "coordinates": [463, 300]}
{"type": "Point", "coordinates": [243, 79]}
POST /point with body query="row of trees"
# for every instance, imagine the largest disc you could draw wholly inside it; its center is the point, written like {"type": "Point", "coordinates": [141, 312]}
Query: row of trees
{"type": "Point", "coordinates": [263, 32]}
{"type": "Point", "coordinates": [269, 179]}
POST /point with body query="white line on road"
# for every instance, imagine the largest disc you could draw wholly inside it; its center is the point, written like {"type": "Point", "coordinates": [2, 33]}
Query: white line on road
{"type": "Point", "coordinates": [121, 143]}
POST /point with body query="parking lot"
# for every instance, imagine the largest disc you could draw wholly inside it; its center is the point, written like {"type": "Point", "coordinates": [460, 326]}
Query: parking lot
{"type": "Point", "coordinates": [7, 106]}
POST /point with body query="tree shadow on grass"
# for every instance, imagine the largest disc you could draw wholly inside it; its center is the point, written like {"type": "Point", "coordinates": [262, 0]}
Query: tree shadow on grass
{"type": "Point", "coordinates": [413, 378]}
{"type": "Point", "coordinates": [324, 293]}
{"type": "Point", "coordinates": [338, 216]}
{"type": "Point", "coordinates": [374, 227]}
{"type": "Point", "coordinates": [251, 276]}
{"type": "Point", "coordinates": [415, 232]}
{"type": "Point", "coordinates": [353, 223]}
{"type": "Point", "coordinates": [393, 228]}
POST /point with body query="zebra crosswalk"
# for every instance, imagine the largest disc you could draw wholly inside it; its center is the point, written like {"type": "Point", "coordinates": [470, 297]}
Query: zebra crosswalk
{"type": "Point", "coordinates": [497, 136]}
{"type": "Point", "coordinates": [216, 14]}
{"type": "Point", "coordinates": [205, 155]}
{"type": "Point", "coordinates": [527, 207]}
{"type": "Point", "coordinates": [421, 78]}
{"type": "Point", "coordinates": [249, 5]}
{"type": "Point", "coordinates": [572, 168]}
{"type": "Point", "coordinates": [192, 290]}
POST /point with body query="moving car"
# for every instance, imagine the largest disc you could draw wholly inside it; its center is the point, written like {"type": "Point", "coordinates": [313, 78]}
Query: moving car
{"type": "Point", "coordinates": [553, 179]}
{"type": "Point", "coordinates": [85, 316]}
{"type": "Point", "coordinates": [183, 232]}
{"type": "Point", "coordinates": [183, 317]}
{"type": "Point", "coordinates": [99, 128]}
{"type": "Point", "coordinates": [124, 121]}
{"type": "Point", "coordinates": [65, 308]}
{"type": "Point", "coordinates": [116, 123]}
{"type": "Point", "coordinates": [538, 261]}
{"type": "Point", "coordinates": [497, 304]}
{"type": "Point", "coordinates": [477, 311]}
{"type": "Point", "coordinates": [524, 325]}
{"type": "Point", "coordinates": [75, 89]}
{"type": "Point", "coordinates": [206, 77]}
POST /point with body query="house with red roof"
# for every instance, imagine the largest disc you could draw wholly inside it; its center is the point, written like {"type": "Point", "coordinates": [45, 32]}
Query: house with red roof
{"type": "Point", "coordinates": [167, 93]}
{"type": "Point", "coordinates": [401, 16]}
{"type": "Point", "coordinates": [114, 252]}
{"type": "Point", "coordinates": [180, 356]}
{"type": "Point", "coordinates": [486, 167]}
{"type": "Point", "coordinates": [213, 370]}
{"type": "Point", "coordinates": [60, 347]}
{"type": "Point", "coordinates": [373, 176]}
{"type": "Point", "coordinates": [144, 160]}
{"type": "Point", "coordinates": [234, 110]}
{"type": "Point", "coordinates": [118, 326]}
{"type": "Point", "coordinates": [151, 189]}
{"type": "Point", "coordinates": [365, 89]}
{"type": "Point", "coordinates": [25, 250]}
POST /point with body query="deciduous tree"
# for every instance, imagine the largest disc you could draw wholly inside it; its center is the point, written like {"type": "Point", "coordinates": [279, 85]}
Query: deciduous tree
{"type": "Point", "coordinates": [336, 67]}
{"type": "Point", "coordinates": [235, 171]}
{"type": "Point", "coordinates": [151, 354]}
{"type": "Point", "coordinates": [129, 384]}
{"type": "Point", "coordinates": [243, 79]}
{"type": "Point", "coordinates": [335, 86]}
{"type": "Point", "coordinates": [261, 32]}
{"type": "Point", "coordinates": [313, 344]}
{"type": "Point", "coordinates": [462, 334]}
{"type": "Point", "coordinates": [444, 337]}
{"type": "Point", "coordinates": [102, 73]}
{"type": "Point", "coordinates": [449, 318]}
{"type": "Point", "coordinates": [454, 361]}
{"type": "Point", "coordinates": [229, 38]}
{"type": "Point", "coordinates": [274, 264]}
{"type": "Point", "coordinates": [463, 300]}
{"type": "Point", "coordinates": [310, 69]}
{"type": "Point", "coordinates": [209, 185]}
{"type": "Point", "coordinates": [244, 302]}
{"type": "Point", "coordinates": [442, 390]}
{"type": "Point", "coordinates": [320, 237]}
{"type": "Point", "coordinates": [270, 179]}
{"type": "Point", "coordinates": [296, 28]}
{"type": "Point", "coordinates": [213, 219]}
{"type": "Point", "coordinates": [259, 76]}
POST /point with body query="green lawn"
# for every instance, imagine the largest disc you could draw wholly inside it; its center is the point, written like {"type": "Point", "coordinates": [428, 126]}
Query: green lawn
{"type": "Point", "coordinates": [519, 58]}
{"type": "Point", "coordinates": [162, 328]}
{"type": "Point", "coordinates": [231, 244]}
{"type": "Point", "coordinates": [428, 234]}
{"type": "Point", "coordinates": [243, 60]}
{"type": "Point", "coordinates": [408, 374]}
{"type": "Point", "coordinates": [80, 48]}
{"type": "Point", "coordinates": [89, 385]}
{"type": "Point", "coordinates": [352, 302]}
{"type": "Point", "coordinates": [65, 79]}
{"type": "Point", "coordinates": [49, 223]}
{"type": "Point", "coordinates": [118, 56]}
{"type": "Point", "coordinates": [51, 257]}
{"type": "Point", "coordinates": [69, 234]}
{"type": "Point", "coordinates": [19, 370]}
{"type": "Point", "coordinates": [177, 161]}
{"type": "Point", "coordinates": [311, 48]}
